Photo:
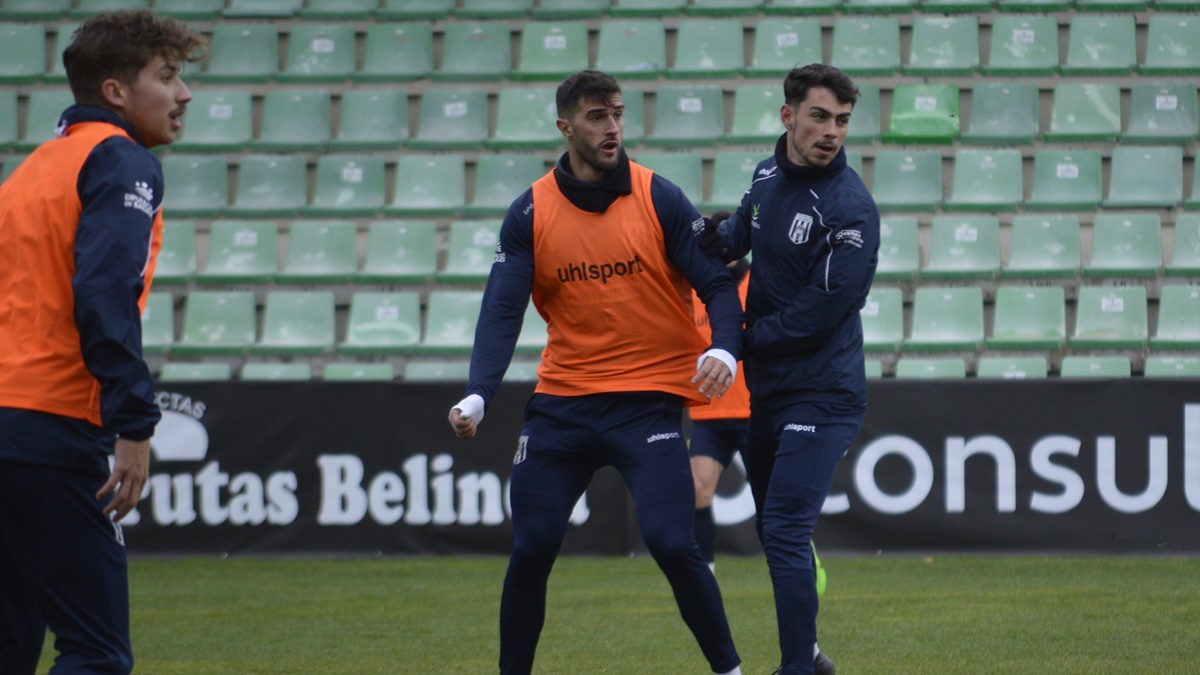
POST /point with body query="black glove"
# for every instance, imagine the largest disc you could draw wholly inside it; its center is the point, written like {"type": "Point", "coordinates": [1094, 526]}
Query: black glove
{"type": "Point", "coordinates": [712, 242]}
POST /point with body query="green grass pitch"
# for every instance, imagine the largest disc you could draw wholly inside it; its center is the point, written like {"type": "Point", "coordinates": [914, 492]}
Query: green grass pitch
{"type": "Point", "coordinates": [888, 615]}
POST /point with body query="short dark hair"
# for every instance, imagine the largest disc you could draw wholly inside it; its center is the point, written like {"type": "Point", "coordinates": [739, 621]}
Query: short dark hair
{"type": "Point", "coordinates": [119, 44]}
{"type": "Point", "coordinates": [585, 85]}
{"type": "Point", "coordinates": [800, 80]}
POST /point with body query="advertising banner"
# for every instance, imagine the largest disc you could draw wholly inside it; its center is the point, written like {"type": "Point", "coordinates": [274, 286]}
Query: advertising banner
{"type": "Point", "coordinates": [373, 468]}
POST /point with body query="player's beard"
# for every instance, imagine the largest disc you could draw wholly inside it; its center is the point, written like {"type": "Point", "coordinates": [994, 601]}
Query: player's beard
{"type": "Point", "coordinates": [592, 156]}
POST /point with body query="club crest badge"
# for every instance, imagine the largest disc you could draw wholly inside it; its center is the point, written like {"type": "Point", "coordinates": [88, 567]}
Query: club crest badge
{"type": "Point", "coordinates": [801, 226]}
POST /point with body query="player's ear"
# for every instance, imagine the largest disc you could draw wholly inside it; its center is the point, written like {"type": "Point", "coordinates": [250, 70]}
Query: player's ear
{"type": "Point", "coordinates": [564, 127]}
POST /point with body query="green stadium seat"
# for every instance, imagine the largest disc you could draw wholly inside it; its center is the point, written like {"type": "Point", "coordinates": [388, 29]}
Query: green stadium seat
{"type": "Point", "coordinates": [1163, 6]}
{"type": "Point", "coordinates": [158, 324]}
{"type": "Point", "coordinates": [1023, 46]}
{"type": "Point", "coordinates": [295, 120]}
{"type": "Point", "coordinates": [62, 37]}
{"type": "Point", "coordinates": [1162, 112]}
{"type": "Point", "coordinates": [708, 48]}
{"type": "Point", "coordinates": [552, 50]}
{"type": "Point", "coordinates": [944, 46]}
{"type": "Point", "coordinates": [195, 372]}
{"type": "Point", "coordinates": [22, 53]}
{"type": "Point", "coordinates": [570, 9]}
{"type": "Point", "coordinates": [1101, 45]}
{"type": "Point", "coordinates": [217, 120]}
{"type": "Point", "coordinates": [923, 113]}
{"type": "Point", "coordinates": [429, 185]}
{"type": "Point", "coordinates": [372, 119]}
{"type": "Point", "coordinates": [526, 120]}
{"type": "Point", "coordinates": [963, 247]}
{"type": "Point", "coordinates": [399, 252]}
{"type": "Point", "coordinates": [176, 262]}
{"type": "Point", "coordinates": [1110, 317]}
{"type": "Point", "coordinates": [522, 371]}
{"type": "Point", "coordinates": [319, 52]}
{"type": "Point", "coordinates": [756, 119]}
{"type": "Point", "coordinates": [275, 9]}
{"type": "Point", "coordinates": [500, 179]}
{"type": "Point", "coordinates": [684, 169]}
{"type": "Point", "coordinates": [899, 249]}
{"type": "Point", "coordinates": [452, 119]}
{"type": "Point", "coordinates": [34, 10]}
{"type": "Point", "coordinates": [339, 10]}
{"type": "Point", "coordinates": [779, 45]}
{"type": "Point", "coordinates": [635, 117]}
{"type": "Point", "coordinates": [1011, 367]}
{"type": "Point", "coordinates": [470, 252]}
{"type": "Point", "coordinates": [793, 7]}
{"type": "Point", "coordinates": [359, 372]}
{"type": "Point", "coordinates": [348, 185]}
{"type": "Point", "coordinates": [1003, 113]}
{"type": "Point", "coordinates": [883, 320]}
{"type": "Point", "coordinates": [1043, 247]}
{"type": "Point", "coordinates": [986, 180]}
{"type": "Point", "coordinates": [190, 10]}
{"type": "Point", "coordinates": [88, 8]}
{"type": "Point", "coordinates": [1111, 5]}
{"type": "Point", "coordinates": [242, 52]}
{"type": "Point", "coordinates": [1185, 251]}
{"type": "Point", "coordinates": [622, 8]}
{"type": "Point", "coordinates": [42, 113]}
{"type": "Point", "coordinates": [276, 372]}
{"type": "Point", "coordinates": [450, 322]}
{"type": "Point", "coordinates": [907, 180]}
{"type": "Point", "coordinates": [1029, 317]}
{"type": "Point", "coordinates": [437, 371]}
{"type": "Point", "coordinates": [910, 368]}
{"type": "Point", "coordinates": [879, 6]}
{"type": "Point", "coordinates": [296, 323]}
{"type": "Point", "coordinates": [1096, 366]}
{"type": "Point", "coordinates": [1172, 44]}
{"type": "Point", "coordinates": [946, 319]}
{"type": "Point", "coordinates": [1065, 180]}
{"type": "Point", "coordinates": [396, 52]}
{"type": "Point", "coordinates": [632, 49]}
{"type": "Point", "coordinates": [873, 369]}
{"type": "Point", "coordinates": [475, 51]}
{"type": "Point", "coordinates": [320, 252]}
{"type": "Point", "coordinates": [433, 10]}
{"type": "Point", "coordinates": [382, 323]}
{"type": "Point", "coordinates": [1085, 112]}
{"type": "Point", "coordinates": [532, 338]}
{"type": "Point", "coordinates": [732, 173]}
{"type": "Point", "coordinates": [725, 7]}
{"type": "Point", "coordinates": [956, 6]}
{"type": "Point", "coordinates": [270, 186]}
{"type": "Point", "coordinates": [494, 9]}
{"type": "Point", "coordinates": [1125, 245]}
{"type": "Point", "coordinates": [1172, 366]}
{"type": "Point", "coordinates": [866, 46]}
{"type": "Point", "coordinates": [687, 116]}
{"type": "Point", "coordinates": [241, 252]}
{"type": "Point", "coordinates": [1178, 319]}
{"type": "Point", "coordinates": [1193, 200]}
{"type": "Point", "coordinates": [9, 165]}
{"type": "Point", "coordinates": [1145, 177]}
{"type": "Point", "coordinates": [854, 161]}
{"type": "Point", "coordinates": [195, 185]}
{"type": "Point", "coordinates": [217, 323]}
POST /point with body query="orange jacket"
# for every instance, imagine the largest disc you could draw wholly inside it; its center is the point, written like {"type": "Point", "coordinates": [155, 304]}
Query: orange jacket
{"type": "Point", "coordinates": [735, 404]}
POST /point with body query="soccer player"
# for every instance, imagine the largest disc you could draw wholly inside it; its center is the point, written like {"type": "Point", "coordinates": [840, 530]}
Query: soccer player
{"type": "Point", "coordinates": [608, 250]}
{"type": "Point", "coordinates": [79, 229]}
{"type": "Point", "coordinates": [814, 232]}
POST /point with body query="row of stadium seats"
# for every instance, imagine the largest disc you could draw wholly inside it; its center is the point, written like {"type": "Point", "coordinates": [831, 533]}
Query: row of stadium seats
{"type": "Point", "coordinates": [301, 120]}
{"type": "Point", "coordinates": [942, 319]}
{"type": "Point", "coordinates": [991, 180]}
{"type": "Point", "coordinates": [1097, 45]}
{"type": "Point", "coordinates": [407, 252]}
{"type": "Point", "coordinates": [516, 9]}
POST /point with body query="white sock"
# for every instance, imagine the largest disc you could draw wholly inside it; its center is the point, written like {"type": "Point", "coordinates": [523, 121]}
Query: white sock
{"type": "Point", "coordinates": [816, 650]}
{"type": "Point", "coordinates": [712, 567]}
{"type": "Point", "coordinates": [737, 670]}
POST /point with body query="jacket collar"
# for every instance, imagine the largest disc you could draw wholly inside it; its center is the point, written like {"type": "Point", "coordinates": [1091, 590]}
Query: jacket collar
{"type": "Point", "coordinates": [597, 196]}
{"type": "Point", "coordinates": [807, 173]}
{"type": "Point", "coordinates": [81, 112]}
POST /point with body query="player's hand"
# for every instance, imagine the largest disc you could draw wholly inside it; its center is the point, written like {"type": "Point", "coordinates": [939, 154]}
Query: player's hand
{"type": "Point", "coordinates": [464, 427]}
{"type": "Point", "coordinates": [131, 470]}
{"type": "Point", "coordinates": [714, 377]}
{"type": "Point", "coordinates": [712, 242]}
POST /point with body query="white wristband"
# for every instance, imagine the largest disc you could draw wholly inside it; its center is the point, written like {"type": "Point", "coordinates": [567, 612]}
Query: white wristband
{"type": "Point", "coordinates": [471, 408]}
{"type": "Point", "coordinates": [722, 356]}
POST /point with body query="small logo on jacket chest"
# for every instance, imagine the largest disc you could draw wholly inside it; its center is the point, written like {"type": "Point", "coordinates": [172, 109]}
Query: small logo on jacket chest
{"type": "Point", "coordinates": [801, 226]}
